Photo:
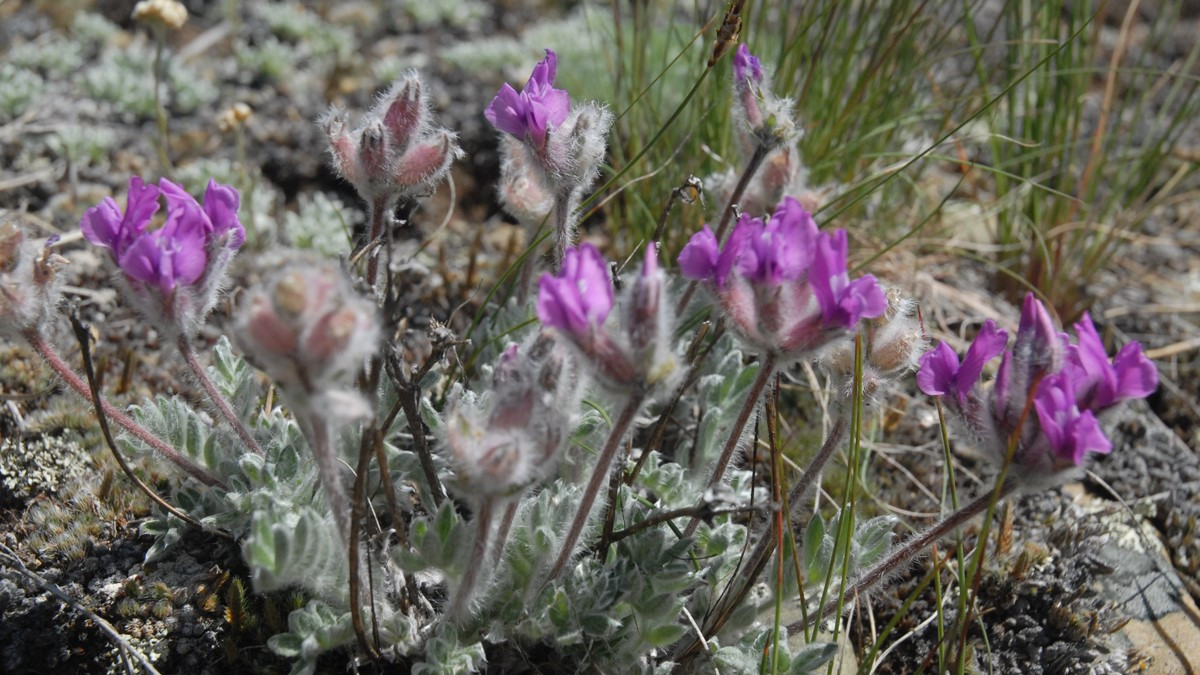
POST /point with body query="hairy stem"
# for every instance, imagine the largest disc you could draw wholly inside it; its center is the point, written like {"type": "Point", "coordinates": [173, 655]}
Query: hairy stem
{"type": "Point", "coordinates": [328, 469]}
{"type": "Point", "coordinates": [599, 475]}
{"type": "Point", "coordinates": [215, 396]}
{"type": "Point", "coordinates": [506, 523]}
{"type": "Point", "coordinates": [379, 212]}
{"type": "Point", "coordinates": [903, 553]}
{"type": "Point", "coordinates": [563, 227]}
{"type": "Point", "coordinates": [766, 370]}
{"type": "Point", "coordinates": [357, 506]}
{"type": "Point", "coordinates": [460, 604]}
{"type": "Point", "coordinates": [76, 383]}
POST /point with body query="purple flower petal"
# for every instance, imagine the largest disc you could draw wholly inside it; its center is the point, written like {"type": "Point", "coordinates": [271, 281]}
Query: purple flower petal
{"type": "Point", "coordinates": [221, 204]}
{"type": "Point", "coordinates": [545, 70]}
{"type": "Point", "coordinates": [101, 224]}
{"type": "Point", "coordinates": [1136, 375]}
{"type": "Point", "coordinates": [746, 65]}
{"type": "Point", "coordinates": [988, 344]}
{"type": "Point", "coordinates": [1071, 433]}
{"type": "Point", "coordinates": [698, 259]}
{"type": "Point", "coordinates": [506, 112]}
{"type": "Point", "coordinates": [539, 107]}
{"type": "Point", "coordinates": [938, 367]}
{"type": "Point", "coordinates": [843, 303]}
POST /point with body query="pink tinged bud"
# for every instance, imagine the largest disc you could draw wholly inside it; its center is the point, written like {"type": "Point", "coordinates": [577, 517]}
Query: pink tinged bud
{"type": "Point", "coordinates": [646, 293]}
{"type": "Point", "coordinates": [272, 332]}
{"type": "Point", "coordinates": [425, 160]}
{"type": "Point", "coordinates": [373, 153]}
{"type": "Point", "coordinates": [580, 298]}
{"type": "Point", "coordinates": [404, 112]}
{"type": "Point", "coordinates": [330, 334]}
{"type": "Point", "coordinates": [1071, 433]}
{"type": "Point", "coordinates": [343, 149]}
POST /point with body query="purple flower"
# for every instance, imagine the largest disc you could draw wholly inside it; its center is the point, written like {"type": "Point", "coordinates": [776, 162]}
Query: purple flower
{"type": "Point", "coordinates": [530, 114]}
{"type": "Point", "coordinates": [176, 253]}
{"type": "Point", "coordinates": [170, 256]}
{"type": "Point", "coordinates": [746, 65]}
{"type": "Point", "coordinates": [1100, 383]}
{"type": "Point", "coordinates": [580, 297]}
{"type": "Point", "coordinates": [843, 302]}
{"type": "Point", "coordinates": [105, 225]}
{"type": "Point", "coordinates": [1070, 432]}
{"type": "Point", "coordinates": [942, 375]}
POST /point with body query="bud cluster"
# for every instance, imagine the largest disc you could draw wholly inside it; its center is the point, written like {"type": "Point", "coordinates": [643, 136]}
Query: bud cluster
{"type": "Point", "coordinates": [397, 151]}
{"type": "Point", "coordinates": [783, 284]}
{"type": "Point", "coordinates": [892, 346]}
{"type": "Point", "coordinates": [174, 273]}
{"type": "Point", "coordinates": [30, 284]}
{"type": "Point", "coordinates": [511, 437]}
{"type": "Point", "coordinates": [766, 130]}
{"type": "Point", "coordinates": [1071, 384]}
{"type": "Point", "coordinates": [311, 333]}
{"type": "Point", "coordinates": [638, 355]}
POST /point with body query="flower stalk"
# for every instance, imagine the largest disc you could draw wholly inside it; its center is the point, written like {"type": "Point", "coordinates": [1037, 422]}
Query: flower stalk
{"type": "Point", "coordinates": [620, 428]}
{"type": "Point", "coordinates": [215, 396]}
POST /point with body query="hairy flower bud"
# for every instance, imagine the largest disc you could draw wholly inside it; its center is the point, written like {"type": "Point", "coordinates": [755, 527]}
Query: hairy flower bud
{"type": "Point", "coordinates": [396, 152]}
{"type": "Point", "coordinates": [30, 285]}
{"type": "Point", "coordinates": [506, 440]}
{"type": "Point", "coordinates": [309, 331]}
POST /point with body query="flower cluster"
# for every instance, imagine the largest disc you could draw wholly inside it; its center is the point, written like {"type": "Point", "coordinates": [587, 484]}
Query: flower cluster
{"type": "Point", "coordinates": [892, 346]}
{"type": "Point", "coordinates": [783, 283]}
{"type": "Point", "coordinates": [29, 282]}
{"type": "Point", "coordinates": [1071, 385]}
{"type": "Point", "coordinates": [557, 152]}
{"type": "Point", "coordinates": [579, 299]}
{"type": "Point", "coordinates": [397, 151]}
{"type": "Point", "coordinates": [175, 272]}
{"type": "Point", "coordinates": [504, 441]}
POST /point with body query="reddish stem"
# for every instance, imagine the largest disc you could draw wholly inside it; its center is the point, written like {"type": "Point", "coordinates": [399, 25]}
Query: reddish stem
{"type": "Point", "coordinates": [59, 366]}
{"type": "Point", "coordinates": [215, 396]}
